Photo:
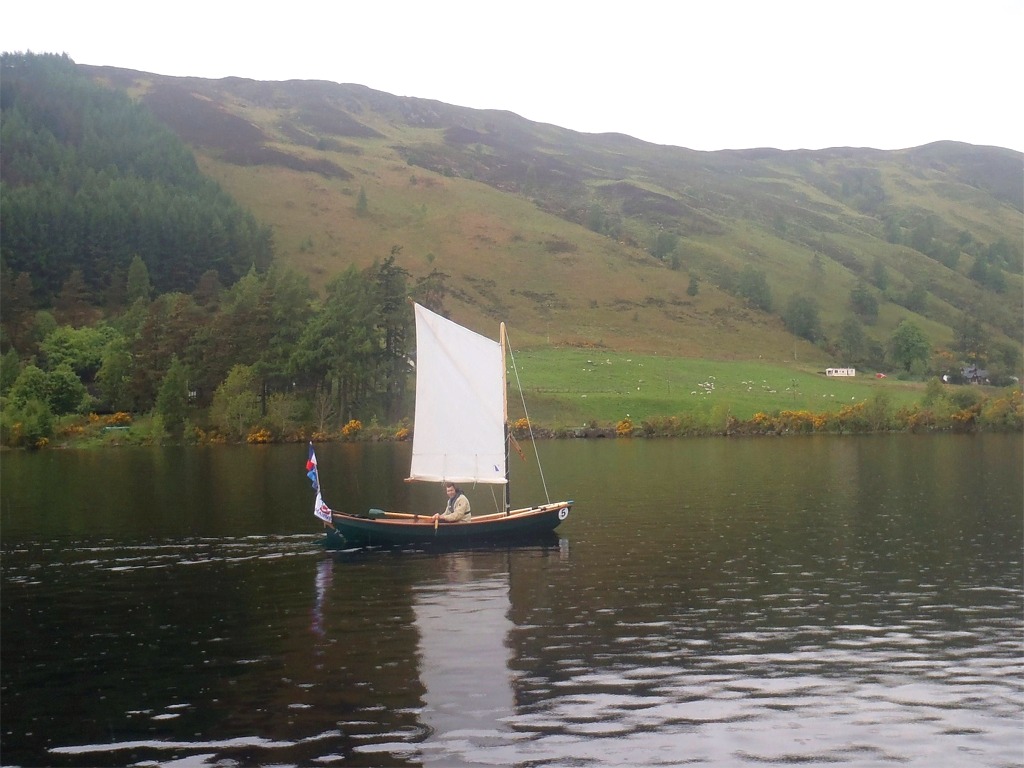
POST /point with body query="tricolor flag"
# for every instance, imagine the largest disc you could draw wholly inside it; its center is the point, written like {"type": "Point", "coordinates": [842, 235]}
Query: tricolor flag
{"type": "Point", "coordinates": [311, 472]}
{"type": "Point", "coordinates": [320, 509]}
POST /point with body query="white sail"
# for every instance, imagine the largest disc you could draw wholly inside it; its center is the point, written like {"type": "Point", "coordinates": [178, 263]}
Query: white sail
{"type": "Point", "coordinates": [459, 434]}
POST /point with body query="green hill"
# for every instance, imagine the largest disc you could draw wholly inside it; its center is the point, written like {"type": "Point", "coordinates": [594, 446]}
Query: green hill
{"type": "Point", "coordinates": [607, 241]}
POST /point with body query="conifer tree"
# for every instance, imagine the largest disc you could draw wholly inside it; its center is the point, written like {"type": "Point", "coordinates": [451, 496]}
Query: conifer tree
{"type": "Point", "coordinates": [172, 399]}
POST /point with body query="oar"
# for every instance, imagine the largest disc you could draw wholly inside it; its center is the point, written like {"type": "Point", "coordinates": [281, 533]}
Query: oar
{"type": "Point", "coordinates": [406, 515]}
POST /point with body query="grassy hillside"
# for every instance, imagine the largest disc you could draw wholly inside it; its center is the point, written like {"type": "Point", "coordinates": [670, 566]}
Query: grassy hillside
{"type": "Point", "coordinates": [592, 241]}
{"type": "Point", "coordinates": [569, 388]}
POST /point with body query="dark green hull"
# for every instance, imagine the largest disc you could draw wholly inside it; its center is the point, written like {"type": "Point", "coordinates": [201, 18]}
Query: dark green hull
{"type": "Point", "coordinates": [393, 529]}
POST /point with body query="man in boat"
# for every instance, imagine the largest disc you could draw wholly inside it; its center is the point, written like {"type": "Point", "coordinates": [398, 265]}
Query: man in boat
{"type": "Point", "coordinates": [457, 510]}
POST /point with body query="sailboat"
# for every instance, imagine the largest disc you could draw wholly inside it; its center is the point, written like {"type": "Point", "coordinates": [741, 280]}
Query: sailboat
{"type": "Point", "coordinates": [460, 435]}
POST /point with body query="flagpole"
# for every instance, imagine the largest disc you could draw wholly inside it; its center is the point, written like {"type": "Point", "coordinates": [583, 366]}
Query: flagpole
{"type": "Point", "coordinates": [320, 508]}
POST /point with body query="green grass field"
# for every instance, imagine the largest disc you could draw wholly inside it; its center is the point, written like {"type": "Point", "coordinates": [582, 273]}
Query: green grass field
{"type": "Point", "coordinates": [573, 387]}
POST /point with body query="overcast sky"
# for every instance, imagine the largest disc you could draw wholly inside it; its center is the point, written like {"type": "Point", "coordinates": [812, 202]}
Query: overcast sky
{"type": "Point", "coordinates": [703, 74]}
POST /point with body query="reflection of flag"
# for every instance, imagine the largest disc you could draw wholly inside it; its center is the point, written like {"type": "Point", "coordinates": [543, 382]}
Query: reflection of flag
{"type": "Point", "coordinates": [321, 510]}
{"type": "Point", "coordinates": [311, 472]}
{"type": "Point", "coordinates": [324, 576]}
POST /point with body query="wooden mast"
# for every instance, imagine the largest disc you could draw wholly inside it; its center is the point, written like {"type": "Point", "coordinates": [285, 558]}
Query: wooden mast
{"type": "Point", "coordinates": [504, 416]}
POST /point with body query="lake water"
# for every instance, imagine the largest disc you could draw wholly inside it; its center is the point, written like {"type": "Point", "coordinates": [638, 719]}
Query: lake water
{"type": "Point", "coordinates": [722, 602]}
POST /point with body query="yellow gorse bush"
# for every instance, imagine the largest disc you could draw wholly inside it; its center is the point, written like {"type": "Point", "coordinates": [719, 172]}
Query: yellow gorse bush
{"type": "Point", "coordinates": [259, 436]}
{"type": "Point", "coordinates": [353, 428]}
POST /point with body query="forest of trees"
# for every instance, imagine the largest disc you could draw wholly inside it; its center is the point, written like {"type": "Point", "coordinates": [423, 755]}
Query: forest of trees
{"type": "Point", "coordinates": [265, 351]}
{"type": "Point", "coordinates": [131, 283]}
{"type": "Point", "coordinates": [91, 180]}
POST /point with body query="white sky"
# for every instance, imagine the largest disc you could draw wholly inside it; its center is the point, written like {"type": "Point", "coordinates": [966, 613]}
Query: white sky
{"type": "Point", "coordinates": [703, 74]}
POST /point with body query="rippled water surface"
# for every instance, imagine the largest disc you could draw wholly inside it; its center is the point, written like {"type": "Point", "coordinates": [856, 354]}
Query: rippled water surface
{"type": "Point", "coordinates": [819, 601]}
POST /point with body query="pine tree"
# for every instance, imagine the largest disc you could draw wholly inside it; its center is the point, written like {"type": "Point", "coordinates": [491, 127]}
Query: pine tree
{"type": "Point", "coordinates": [139, 286]}
{"type": "Point", "coordinates": [172, 399]}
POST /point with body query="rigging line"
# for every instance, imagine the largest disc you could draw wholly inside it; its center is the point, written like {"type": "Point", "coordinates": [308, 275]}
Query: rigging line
{"type": "Point", "coordinates": [494, 498]}
{"type": "Point", "coordinates": [529, 423]}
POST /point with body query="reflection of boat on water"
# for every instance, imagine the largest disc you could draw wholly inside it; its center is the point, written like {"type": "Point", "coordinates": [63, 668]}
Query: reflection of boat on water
{"type": "Point", "coordinates": [460, 435]}
{"type": "Point", "coordinates": [464, 654]}
{"type": "Point", "coordinates": [436, 640]}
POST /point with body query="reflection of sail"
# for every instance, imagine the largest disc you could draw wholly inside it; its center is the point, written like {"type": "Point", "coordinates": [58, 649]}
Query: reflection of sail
{"type": "Point", "coordinates": [464, 629]}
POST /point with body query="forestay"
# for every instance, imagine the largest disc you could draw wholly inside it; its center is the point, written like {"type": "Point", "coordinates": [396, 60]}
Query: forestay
{"type": "Point", "coordinates": [459, 434]}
